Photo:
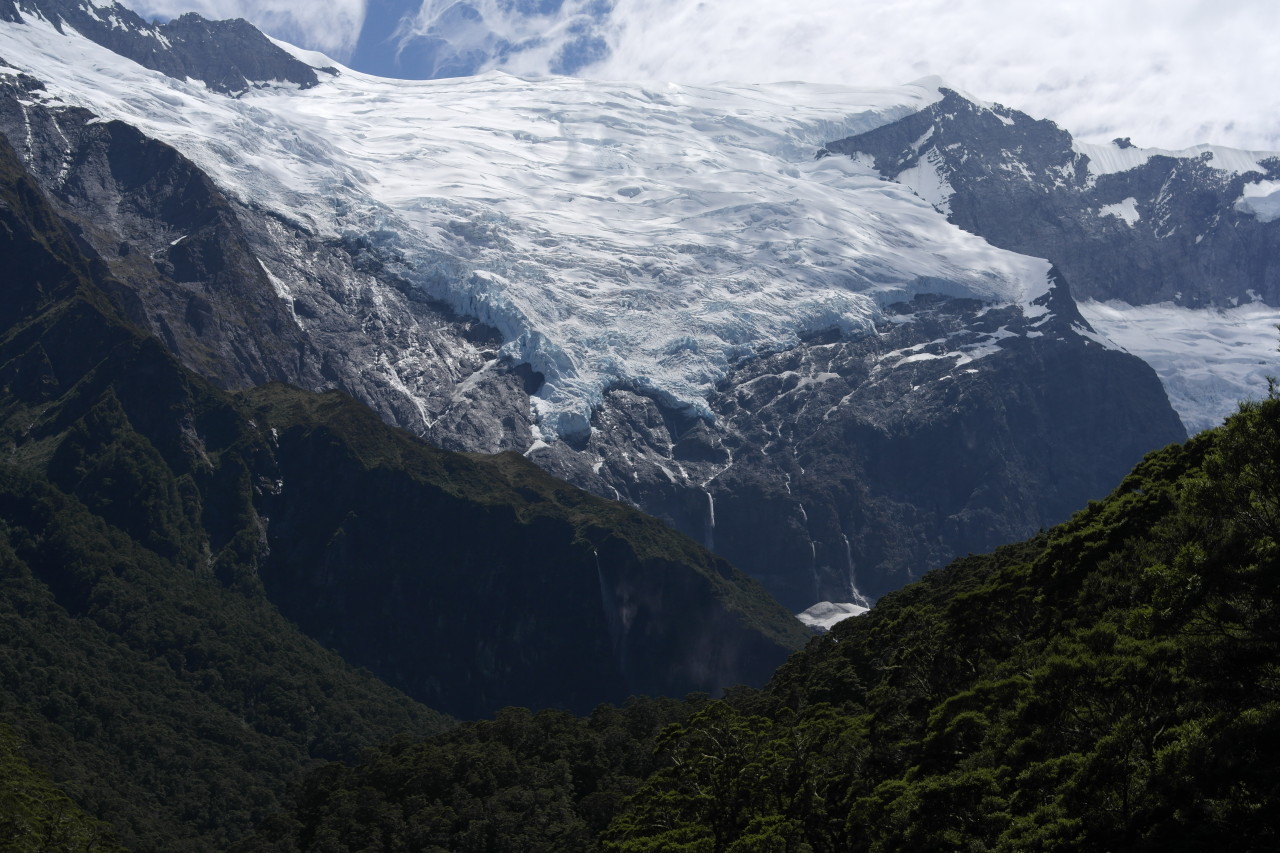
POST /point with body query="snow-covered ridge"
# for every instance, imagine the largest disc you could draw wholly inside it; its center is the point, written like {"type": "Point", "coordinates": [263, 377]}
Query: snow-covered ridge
{"type": "Point", "coordinates": [1111, 158]}
{"type": "Point", "coordinates": [643, 236]}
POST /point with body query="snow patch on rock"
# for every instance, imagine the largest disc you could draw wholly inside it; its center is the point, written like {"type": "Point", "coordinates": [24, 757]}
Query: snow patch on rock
{"type": "Point", "coordinates": [1262, 199]}
{"type": "Point", "coordinates": [928, 180]}
{"type": "Point", "coordinates": [1126, 210]}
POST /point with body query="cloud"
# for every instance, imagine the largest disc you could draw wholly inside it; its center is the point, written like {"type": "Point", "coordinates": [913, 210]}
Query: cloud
{"type": "Point", "coordinates": [536, 36]}
{"type": "Point", "coordinates": [1166, 72]}
{"type": "Point", "coordinates": [331, 26]}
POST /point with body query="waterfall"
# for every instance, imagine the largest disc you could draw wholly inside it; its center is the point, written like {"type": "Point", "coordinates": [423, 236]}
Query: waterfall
{"type": "Point", "coordinates": [710, 539]}
{"type": "Point", "coordinates": [614, 619]}
{"type": "Point", "coordinates": [813, 555]}
{"type": "Point", "coordinates": [855, 597]}
{"type": "Point", "coordinates": [817, 581]}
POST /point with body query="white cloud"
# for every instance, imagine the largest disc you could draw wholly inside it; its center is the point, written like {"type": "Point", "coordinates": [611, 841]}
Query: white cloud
{"type": "Point", "coordinates": [536, 37]}
{"type": "Point", "coordinates": [332, 26]}
{"type": "Point", "coordinates": [1166, 72]}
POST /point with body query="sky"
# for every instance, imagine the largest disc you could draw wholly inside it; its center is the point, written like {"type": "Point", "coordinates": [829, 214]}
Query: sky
{"type": "Point", "coordinates": [1166, 73]}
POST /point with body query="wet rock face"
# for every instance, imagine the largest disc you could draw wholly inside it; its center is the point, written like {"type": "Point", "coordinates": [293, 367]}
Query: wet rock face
{"type": "Point", "coordinates": [1167, 230]}
{"type": "Point", "coordinates": [468, 583]}
{"type": "Point", "coordinates": [843, 468]}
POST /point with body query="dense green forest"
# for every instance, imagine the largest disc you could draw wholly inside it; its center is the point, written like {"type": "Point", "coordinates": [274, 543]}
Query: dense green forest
{"type": "Point", "coordinates": [1111, 684]}
{"type": "Point", "coordinates": [36, 816]}
{"type": "Point", "coordinates": [141, 668]}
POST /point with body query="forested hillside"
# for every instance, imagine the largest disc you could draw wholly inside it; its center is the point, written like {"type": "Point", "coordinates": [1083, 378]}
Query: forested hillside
{"type": "Point", "coordinates": [1111, 684]}
{"type": "Point", "coordinates": [35, 815]}
{"type": "Point", "coordinates": [141, 667]}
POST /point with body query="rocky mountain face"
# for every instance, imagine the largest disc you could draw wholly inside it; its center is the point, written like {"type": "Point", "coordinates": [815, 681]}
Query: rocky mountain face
{"type": "Point", "coordinates": [1120, 223]}
{"type": "Point", "coordinates": [191, 265]}
{"type": "Point", "coordinates": [837, 468]}
{"type": "Point", "coordinates": [464, 581]}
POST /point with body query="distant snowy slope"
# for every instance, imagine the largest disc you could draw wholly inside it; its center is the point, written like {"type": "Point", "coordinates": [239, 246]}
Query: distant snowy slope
{"type": "Point", "coordinates": [628, 236]}
{"type": "Point", "coordinates": [227, 56]}
{"type": "Point", "coordinates": [1209, 359]}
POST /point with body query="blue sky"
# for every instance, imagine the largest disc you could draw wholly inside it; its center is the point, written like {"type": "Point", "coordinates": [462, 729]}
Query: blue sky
{"type": "Point", "coordinates": [1168, 73]}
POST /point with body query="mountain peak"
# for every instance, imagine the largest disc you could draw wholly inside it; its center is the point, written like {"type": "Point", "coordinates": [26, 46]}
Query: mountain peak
{"type": "Point", "coordinates": [230, 57]}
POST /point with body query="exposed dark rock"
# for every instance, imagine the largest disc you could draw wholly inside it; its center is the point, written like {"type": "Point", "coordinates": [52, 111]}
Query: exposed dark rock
{"type": "Point", "coordinates": [843, 466]}
{"type": "Point", "coordinates": [221, 283]}
{"type": "Point", "coordinates": [1019, 183]}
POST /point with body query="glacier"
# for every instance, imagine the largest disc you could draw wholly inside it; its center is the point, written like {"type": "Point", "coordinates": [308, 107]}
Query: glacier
{"type": "Point", "coordinates": [638, 236]}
